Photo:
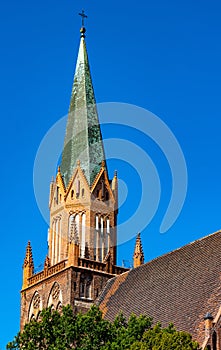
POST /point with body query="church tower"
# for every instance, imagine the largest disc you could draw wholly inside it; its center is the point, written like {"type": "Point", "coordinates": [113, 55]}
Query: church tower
{"type": "Point", "coordinates": [83, 213]}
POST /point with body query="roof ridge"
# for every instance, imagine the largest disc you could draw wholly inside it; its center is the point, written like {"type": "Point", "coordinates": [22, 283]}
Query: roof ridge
{"type": "Point", "coordinates": [184, 246]}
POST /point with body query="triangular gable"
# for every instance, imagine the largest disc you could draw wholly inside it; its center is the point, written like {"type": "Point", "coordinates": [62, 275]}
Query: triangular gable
{"type": "Point", "coordinates": [106, 181]}
{"type": "Point", "coordinates": [77, 171]}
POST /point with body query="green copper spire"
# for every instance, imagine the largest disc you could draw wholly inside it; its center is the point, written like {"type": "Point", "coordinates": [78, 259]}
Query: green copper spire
{"type": "Point", "coordinates": [83, 140]}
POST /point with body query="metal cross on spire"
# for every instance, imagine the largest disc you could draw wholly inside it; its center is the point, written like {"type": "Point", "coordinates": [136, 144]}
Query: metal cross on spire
{"type": "Point", "coordinates": [83, 16]}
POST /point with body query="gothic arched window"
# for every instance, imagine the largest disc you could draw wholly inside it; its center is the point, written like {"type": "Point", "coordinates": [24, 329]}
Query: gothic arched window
{"type": "Point", "coordinates": [77, 222]}
{"type": "Point", "coordinates": [78, 186]}
{"type": "Point", "coordinates": [35, 306]}
{"type": "Point", "coordinates": [71, 226]}
{"type": "Point", "coordinates": [85, 286]}
{"type": "Point", "coordinates": [57, 195]}
{"type": "Point", "coordinates": [55, 296]}
{"type": "Point", "coordinates": [83, 235]}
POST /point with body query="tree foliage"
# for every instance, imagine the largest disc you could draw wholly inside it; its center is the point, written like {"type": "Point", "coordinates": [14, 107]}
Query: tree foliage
{"type": "Point", "coordinates": [90, 331]}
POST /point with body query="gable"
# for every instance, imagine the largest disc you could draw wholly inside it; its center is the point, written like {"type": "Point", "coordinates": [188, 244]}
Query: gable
{"type": "Point", "coordinates": [101, 189]}
{"type": "Point", "coordinates": [78, 185]}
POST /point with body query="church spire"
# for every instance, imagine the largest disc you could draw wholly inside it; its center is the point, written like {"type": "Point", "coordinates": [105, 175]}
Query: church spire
{"type": "Point", "coordinates": [83, 140]}
{"type": "Point", "coordinates": [138, 252]}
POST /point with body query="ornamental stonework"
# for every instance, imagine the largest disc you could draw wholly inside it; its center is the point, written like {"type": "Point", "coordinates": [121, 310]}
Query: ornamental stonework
{"type": "Point", "coordinates": [55, 292]}
{"type": "Point", "coordinates": [36, 301]}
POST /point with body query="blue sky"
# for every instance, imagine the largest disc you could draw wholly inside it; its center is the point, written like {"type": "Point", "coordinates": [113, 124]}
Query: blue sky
{"type": "Point", "coordinates": [162, 56]}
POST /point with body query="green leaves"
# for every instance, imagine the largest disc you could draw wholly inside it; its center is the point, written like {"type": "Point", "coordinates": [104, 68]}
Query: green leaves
{"type": "Point", "coordinates": [158, 338]}
{"type": "Point", "coordinates": [91, 332]}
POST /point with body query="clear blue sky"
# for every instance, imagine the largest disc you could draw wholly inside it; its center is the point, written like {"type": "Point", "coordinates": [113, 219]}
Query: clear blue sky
{"type": "Point", "coordinates": [159, 55]}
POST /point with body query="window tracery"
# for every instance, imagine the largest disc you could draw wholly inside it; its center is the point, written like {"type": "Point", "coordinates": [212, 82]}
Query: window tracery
{"type": "Point", "coordinates": [55, 296]}
{"type": "Point", "coordinates": [36, 301]}
{"type": "Point", "coordinates": [55, 292]}
{"type": "Point", "coordinates": [35, 306]}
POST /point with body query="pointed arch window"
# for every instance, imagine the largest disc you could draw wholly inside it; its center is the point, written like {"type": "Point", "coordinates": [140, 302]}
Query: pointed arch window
{"type": "Point", "coordinates": [78, 187]}
{"type": "Point", "coordinates": [55, 296]}
{"type": "Point", "coordinates": [102, 238]}
{"type": "Point", "coordinates": [108, 235]}
{"type": "Point", "coordinates": [85, 286]}
{"type": "Point", "coordinates": [77, 220]}
{"type": "Point", "coordinates": [108, 225]}
{"type": "Point", "coordinates": [57, 195]}
{"type": "Point", "coordinates": [83, 236]}
{"type": "Point", "coordinates": [102, 225]}
{"type": "Point", "coordinates": [97, 238]}
{"type": "Point", "coordinates": [71, 226]}
{"type": "Point", "coordinates": [56, 240]}
{"type": "Point", "coordinates": [35, 306]}
{"type": "Point", "coordinates": [53, 241]}
{"type": "Point", "coordinates": [88, 291]}
{"type": "Point", "coordinates": [102, 189]}
{"type": "Point", "coordinates": [97, 222]}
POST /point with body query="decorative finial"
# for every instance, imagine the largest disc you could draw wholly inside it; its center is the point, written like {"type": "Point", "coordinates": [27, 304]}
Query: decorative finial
{"type": "Point", "coordinates": [82, 30]}
{"type": "Point", "coordinates": [28, 257]}
{"type": "Point", "coordinates": [138, 252]}
{"type": "Point", "coordinates": [47, 263]}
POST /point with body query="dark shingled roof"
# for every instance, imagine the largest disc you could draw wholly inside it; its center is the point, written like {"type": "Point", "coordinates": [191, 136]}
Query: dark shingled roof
{"type": "Point", "coordinates": [179, 287]}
